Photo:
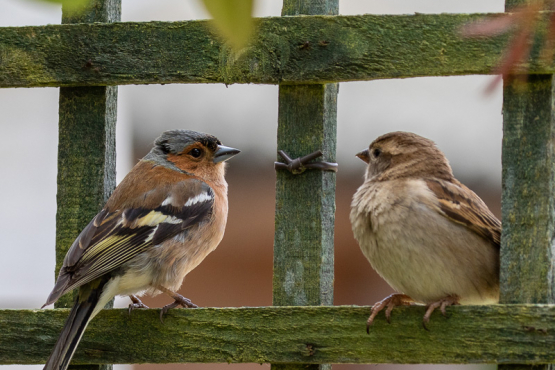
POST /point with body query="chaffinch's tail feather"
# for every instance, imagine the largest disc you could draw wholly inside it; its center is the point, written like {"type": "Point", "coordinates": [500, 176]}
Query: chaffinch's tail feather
{"type": "Point", "coordinates": [59, 289]}
{"type": "Point", "coordinates": [79, 317]}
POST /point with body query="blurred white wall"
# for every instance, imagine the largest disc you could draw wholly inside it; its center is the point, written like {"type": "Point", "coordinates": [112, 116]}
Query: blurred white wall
{"type": "Point", "coordinates": [453, 111]}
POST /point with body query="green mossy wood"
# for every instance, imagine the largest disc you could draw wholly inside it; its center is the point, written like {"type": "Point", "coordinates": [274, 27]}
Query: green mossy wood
{"type": "Point", "coordinates": [305, 203]}
{"type": "Point", "coordinates": [528, 206]}
{"type": "Point", "coordinates": [86, 163]}
{"type": "Point", "coordinates": [527, 264]}
{"type": "Point", "coordinates": [86, 152]}
{"type": "Point", "coordinates": [522, 334]}
{"type": "Point", "coordinates": [294, 50]}
{"type": "Point", "coordinates": [528, 195]}
{"type": "Point", "coordinates": [86, 148]}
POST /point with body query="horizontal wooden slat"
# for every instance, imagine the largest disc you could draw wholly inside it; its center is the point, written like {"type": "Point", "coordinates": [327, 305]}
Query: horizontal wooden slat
{"type": "Point", "coordinates": [296, 50]}
{"type": "Point", "coordinates": [518, 334]}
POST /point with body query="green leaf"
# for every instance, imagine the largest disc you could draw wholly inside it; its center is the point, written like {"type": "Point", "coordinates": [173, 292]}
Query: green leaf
{"type": "Point", "coordinates": [71, 6]}
{"type": "Point", "coordinates": [232, 19]}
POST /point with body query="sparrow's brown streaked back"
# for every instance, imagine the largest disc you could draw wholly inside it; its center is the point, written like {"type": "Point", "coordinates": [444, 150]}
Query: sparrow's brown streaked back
{"type": "Point", "coordinates": [429, 236]}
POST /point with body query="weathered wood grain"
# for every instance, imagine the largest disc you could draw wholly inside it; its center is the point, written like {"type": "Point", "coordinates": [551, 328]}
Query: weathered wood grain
{"type": "Point", "coordinates": [517, 334]}
{"type": "Point", "coordinates": [286, 50]}
{"type": "Point", "coordinates": [305, 203]}
{"type": "Point", "coordinates": [86, 150]}
{"type": "Point", "coordinates": [528, 205]}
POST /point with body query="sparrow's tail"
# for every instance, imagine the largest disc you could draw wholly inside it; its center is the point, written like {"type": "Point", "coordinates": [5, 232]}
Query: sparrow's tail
{"type": "Point", "coordinates": [90, 296]}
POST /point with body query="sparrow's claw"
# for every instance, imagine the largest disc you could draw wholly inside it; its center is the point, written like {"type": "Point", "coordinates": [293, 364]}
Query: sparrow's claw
{"type": "Point", "coordinates": [442, 304]}
{"type": "Point", "coordinates": [390, 302]}
{"type": "Point", "coordinates": [299, 165]}
{"type": "Point", "coordinates": [136, 303]}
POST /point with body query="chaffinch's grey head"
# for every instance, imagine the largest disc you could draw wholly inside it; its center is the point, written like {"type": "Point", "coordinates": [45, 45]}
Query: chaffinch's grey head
{"type": "Point", "coordinates": [187, 151]}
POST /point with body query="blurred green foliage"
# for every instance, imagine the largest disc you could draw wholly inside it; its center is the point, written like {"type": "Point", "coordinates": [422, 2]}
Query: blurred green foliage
{"type": "Point", "coordinates": [232, 19]}
{"type": "Point", "coordinates": [72, 6]}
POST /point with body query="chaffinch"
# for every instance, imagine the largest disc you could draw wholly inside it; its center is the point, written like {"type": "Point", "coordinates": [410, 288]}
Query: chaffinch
{"type": "Point", "coordinates": [162, 220]}
{"type": "Point", "coordinates": [429, 236]}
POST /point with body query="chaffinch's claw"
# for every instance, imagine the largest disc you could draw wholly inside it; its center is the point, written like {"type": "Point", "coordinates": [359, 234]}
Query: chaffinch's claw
{"type": "Point", "coordinates": [179, 301]}
{"type": "Point", "coordinates": [137, 303]}
{"type": "Point", "coordinates": [299, 165]}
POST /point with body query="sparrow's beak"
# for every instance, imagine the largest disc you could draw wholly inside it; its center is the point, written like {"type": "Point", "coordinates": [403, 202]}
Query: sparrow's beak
{"type": "Point", "coordinates": [364, 155]}
{"type": "Point", "coordinates": [223, 153]}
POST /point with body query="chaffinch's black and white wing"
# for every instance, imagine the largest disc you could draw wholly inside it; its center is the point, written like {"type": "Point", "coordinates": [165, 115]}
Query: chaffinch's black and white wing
{"type": "Point", "coordinates": [115, 236]}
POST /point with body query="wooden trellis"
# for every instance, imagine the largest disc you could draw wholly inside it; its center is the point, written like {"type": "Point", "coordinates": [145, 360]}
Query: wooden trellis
{"type": "Point", "coordinates": [89, 56]}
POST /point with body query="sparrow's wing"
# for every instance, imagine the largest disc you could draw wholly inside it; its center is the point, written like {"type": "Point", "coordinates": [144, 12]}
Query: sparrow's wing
{"type": "Point", "coordinates": [461, 205]}
{"type": "Point", "coordinates": [114, 237]}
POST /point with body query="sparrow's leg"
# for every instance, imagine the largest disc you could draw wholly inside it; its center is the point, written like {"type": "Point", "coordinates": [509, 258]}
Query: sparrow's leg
{"type": "Point", "coordinates": [136, 303]}
{"type": "Point", "coordinates": [389, 302]}
{"type": "Point", "coordinates": [179, 301]}
{"type": "Point", "coordinates": [442, 303]}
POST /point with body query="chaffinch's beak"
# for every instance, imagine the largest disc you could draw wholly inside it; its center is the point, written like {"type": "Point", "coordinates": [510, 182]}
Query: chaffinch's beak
{"type": "Point", "coordinates": [364, 155]}
{"type": "Point", "coordinates": [223, 153]}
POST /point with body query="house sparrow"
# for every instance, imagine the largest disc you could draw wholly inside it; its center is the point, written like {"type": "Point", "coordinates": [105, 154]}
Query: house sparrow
{"type": "Point", "coordinates": [164, 218]}
{"type": "Point", "coordinates": [429, 236]}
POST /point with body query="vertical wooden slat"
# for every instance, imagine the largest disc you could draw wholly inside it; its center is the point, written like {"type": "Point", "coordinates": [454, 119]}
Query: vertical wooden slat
{"type": "Point", "coordinates": [105, 11]}
{"type": "Point", "coordinates": [305, 203]}
{"type": "Point", "coordinates": [86, 162]}
{"type": "Point", "coordinates": [86, 149]}
{"type": "Point", "coordinates": [87, 145]}
{"type": "Point", "coordinates": [528, 195]}
{"type": "Point", "coordinates": [310, 7]}
{"type": "Point", "coordinates": [528, 192]}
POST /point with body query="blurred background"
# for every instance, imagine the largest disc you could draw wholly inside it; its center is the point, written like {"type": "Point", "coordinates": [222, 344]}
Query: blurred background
{"type": "Point", "coordinates": [455, 112]}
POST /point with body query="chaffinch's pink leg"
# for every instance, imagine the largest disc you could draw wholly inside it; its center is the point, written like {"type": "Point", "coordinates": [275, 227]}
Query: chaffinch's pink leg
{"type": "Point", "coordinates": [136, 303]}
{"type": "Point", "coordinates": [179, 301]}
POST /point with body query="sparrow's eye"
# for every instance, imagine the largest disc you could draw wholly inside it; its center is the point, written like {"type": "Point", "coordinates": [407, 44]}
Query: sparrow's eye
{"type": "Point", "coordinates": [195, 152]}
{"type": "Point", "coordinates": [376, 152]}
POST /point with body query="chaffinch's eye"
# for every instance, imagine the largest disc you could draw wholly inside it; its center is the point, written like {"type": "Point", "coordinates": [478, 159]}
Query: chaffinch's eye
{"type": "Point", "coordinates": [376, 152]}
{"type": "Point", "coordinates": [195, 152]}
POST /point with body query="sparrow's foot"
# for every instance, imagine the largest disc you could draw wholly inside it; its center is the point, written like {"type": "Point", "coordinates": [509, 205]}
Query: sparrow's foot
{"type": "Point", "coordinates": [179, 301]}
{"type": "Point", "coordinates": [390, 302]}
{"type": "Point", "coordinates": [442, 303]}
{"type": "Point", "coordinates": [136, 303]}
{"type": "Point", "coordinates": [299, 165]}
